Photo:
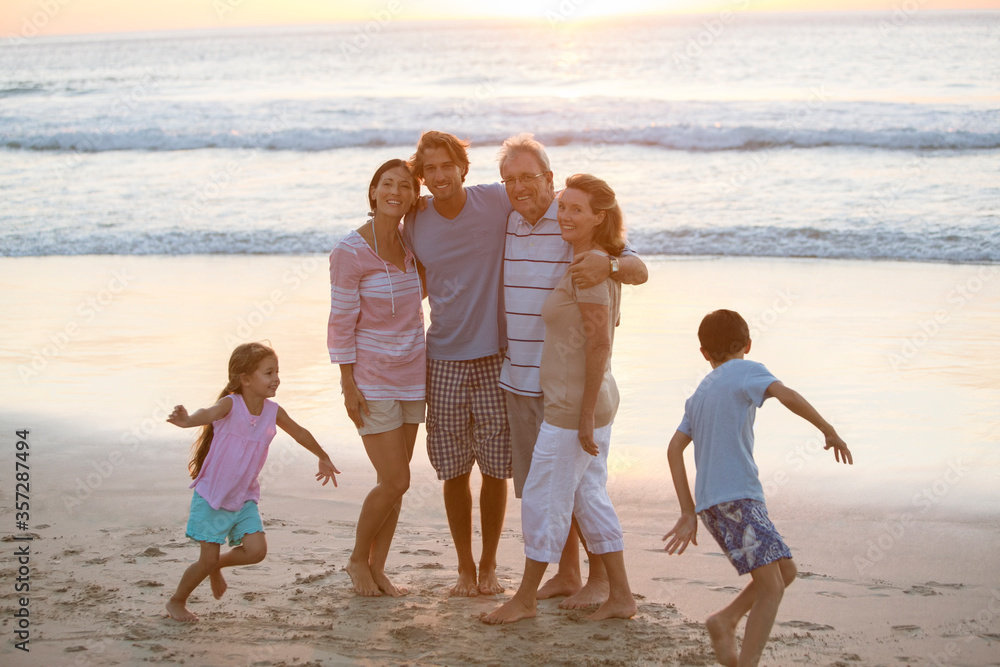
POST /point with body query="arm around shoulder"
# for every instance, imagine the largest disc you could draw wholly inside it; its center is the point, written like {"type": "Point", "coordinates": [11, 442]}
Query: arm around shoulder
{"type": "Point", "coordinates": [631, 270]}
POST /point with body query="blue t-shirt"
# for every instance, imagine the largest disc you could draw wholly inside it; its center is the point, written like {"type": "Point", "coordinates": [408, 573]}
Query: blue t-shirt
{"type": "Point", "coordinates": [719, 418]}
{"type": "Point", "coordinates": [462, 258]}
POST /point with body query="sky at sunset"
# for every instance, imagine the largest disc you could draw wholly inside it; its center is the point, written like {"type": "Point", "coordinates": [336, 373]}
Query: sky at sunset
{"type": "Point", "coordinates": [28, 18]}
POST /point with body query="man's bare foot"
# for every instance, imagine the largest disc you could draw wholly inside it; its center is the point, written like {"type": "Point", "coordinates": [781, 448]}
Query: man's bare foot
{"type": "Point", "coordinates": [466, 586]}
{"type": "Point", "coordinates": [595, 592]}
{"type": "Point", "coordinates": [179, 612]}
{"type": "Point", "coordinates": [361, 577]}
{"type": "Point", "coordinates": [723, 634]}
{"type": "Point", "coordinates": [387, 587]}
{"type": "Point", "coordinates": [615, 608]}
{"type": "Point", "coordinates": [512, 611]}
{"type": "Point", "coordinates": [218, 583]}
{"type": "Point", "coordinates": [488, 584]}
{"type": "Point", "coordinates": [561, 584]}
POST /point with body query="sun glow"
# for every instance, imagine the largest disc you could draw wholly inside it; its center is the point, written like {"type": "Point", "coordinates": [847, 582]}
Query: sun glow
{"type": "Point", "coordinates": [30, 18]}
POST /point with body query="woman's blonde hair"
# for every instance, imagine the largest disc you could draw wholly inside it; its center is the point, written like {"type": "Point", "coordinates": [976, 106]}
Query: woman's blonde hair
{"type": "Point", "coordinates": [609, 235]}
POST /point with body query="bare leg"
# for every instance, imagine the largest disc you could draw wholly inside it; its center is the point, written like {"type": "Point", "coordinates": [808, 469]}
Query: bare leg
{"type": "Point", "coordinates": [722, 624]}
{"type": "Point", "coordinates": [458, 506]}
{"type": "Point", "coordinates": [388, 453]}
{"type": "Point", "coordinates": [567, 580]}
{"type": "Point", "coordinates": [195, 573]}
{"type": "Point", "coordinates": [770, 584]}
{"type": "Point", "coordinates": [252, 550]}
{"type": "Point", "coordinates": [383, 539]}
{"type": "Point", "coordinates": [492, 509]}
{"type": "Point", "coordinates": [524, 603]}
{"type": "Point", "coordinates": [596, 590]}
{"type": "Point", "coordinates": [620, 603]}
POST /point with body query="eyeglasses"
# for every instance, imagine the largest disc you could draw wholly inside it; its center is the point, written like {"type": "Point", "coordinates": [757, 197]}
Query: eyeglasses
{"type": "Point", "coordinates": [512, 182]}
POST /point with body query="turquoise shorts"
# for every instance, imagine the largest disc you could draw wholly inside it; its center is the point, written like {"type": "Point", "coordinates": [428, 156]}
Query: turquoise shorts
{"type": "Point", "coordinates": [210, 525]}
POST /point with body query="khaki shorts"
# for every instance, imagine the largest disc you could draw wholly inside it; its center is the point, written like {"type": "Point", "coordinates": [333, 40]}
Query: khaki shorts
{"type": "Point", "coordinates": [389, 415]}
{"type": "Point", "coordinates": [524, 415]}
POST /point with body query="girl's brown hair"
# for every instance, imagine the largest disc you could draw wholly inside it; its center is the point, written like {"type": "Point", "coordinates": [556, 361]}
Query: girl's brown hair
{"type": "Point", "coordinates": [243, 361]}
{"type": "Point", "coordinates": [611, 234]}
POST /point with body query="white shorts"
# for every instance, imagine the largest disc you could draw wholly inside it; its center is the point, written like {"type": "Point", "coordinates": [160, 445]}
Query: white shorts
{"type": "Point", "coordinates": [565, 481]}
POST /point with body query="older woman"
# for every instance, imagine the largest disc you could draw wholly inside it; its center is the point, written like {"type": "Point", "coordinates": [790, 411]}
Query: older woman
{"type": "Point", "coordinates": [376, 334]}
{"type": "Point", "coordinates": [569, 472]}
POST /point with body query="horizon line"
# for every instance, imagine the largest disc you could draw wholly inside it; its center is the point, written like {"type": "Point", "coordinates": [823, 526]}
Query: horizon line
{"type": "Point", "coordinates": [16, 37]}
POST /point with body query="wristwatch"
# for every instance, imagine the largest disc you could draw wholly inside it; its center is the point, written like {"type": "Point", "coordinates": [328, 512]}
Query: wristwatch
{"type": "Point", "coordinates": [614, 264]}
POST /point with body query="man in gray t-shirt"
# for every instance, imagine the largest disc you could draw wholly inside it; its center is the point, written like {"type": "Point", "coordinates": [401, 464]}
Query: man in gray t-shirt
{"type": "Point", "coordinates": [458, 239]}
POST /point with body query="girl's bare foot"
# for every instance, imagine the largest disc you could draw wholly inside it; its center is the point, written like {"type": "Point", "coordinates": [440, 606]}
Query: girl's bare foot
{"type": "Point", "coordinates": [623, 607]}
{"type": "Point", "coordinates": [723, 635]}
{"type": "Point", "coordinates": [361, 577]}
{"type": "Point", "coordinates": [560, 585]}
{"type": "Point", "coordinates": [179, 612]}
{"type": "Point", "coordinates": [387, 587]}
{"type": "Point", "coordinates": [466, 586]}
{"type": "Point", "coordinates": [488, 583]}
{"type": "Point", "coordinates": [218, 583]}
{"type": "Point", "coordinates": [594, 592]}
{"type": "Point", "coordinates": [514, 610]}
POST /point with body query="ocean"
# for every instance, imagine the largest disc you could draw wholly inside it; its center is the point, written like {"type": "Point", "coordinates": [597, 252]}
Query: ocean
{"type": "Point", "coordinates": [833, 135]}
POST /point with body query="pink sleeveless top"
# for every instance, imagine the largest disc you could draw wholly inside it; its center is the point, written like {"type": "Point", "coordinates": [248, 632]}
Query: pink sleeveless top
{"type": "Point", "coordinates": [228, 477]}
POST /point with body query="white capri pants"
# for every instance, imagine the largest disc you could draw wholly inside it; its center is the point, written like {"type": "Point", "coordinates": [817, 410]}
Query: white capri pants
{"type": "Point", "coordinates": [565, 480]}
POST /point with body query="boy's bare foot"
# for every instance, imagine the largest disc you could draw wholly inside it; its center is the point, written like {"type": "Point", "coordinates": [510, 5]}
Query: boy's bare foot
{"type": "Point", "coordinates": [594, 592]}
{"type": "Point", "coordinates": [218, 583]}
{"type": "Point", "coordinates": [488, 584]}
{"type": "Point", "coordinates": [179, 612]}
{"type": "Point", "coordinates": [387, 587]}
{"type": "Point", "coordinates": [361, 577]}
{"type": "Point", "coordinates": [512, 611]}
{"type": "Point", "coordinates": [466, 586]}
{"type": "Point", "coordinates": [723, 635]}
{"type": "Point", "coordinates": [560, 585]}
{"type": "Point", "coordinates": [615, 608]}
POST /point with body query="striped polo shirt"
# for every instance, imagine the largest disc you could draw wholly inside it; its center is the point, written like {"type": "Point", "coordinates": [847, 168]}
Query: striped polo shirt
{"type": "Point", "coordinates": [535, 258]}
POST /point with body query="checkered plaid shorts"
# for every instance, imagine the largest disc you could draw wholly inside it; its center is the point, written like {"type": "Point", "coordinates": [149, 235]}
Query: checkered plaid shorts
{"type": "Point", "coordinates": [467, 417]}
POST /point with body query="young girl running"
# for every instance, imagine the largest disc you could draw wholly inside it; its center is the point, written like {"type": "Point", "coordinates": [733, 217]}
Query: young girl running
{"type": "Point", "coordinates": [225, 463]}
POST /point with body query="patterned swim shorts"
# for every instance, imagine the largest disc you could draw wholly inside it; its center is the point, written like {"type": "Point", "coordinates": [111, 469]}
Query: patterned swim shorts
{"type": "Point", "coordinates": [745, 533]}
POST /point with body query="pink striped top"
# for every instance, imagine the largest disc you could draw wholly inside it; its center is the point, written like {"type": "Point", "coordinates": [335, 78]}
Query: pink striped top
{"type": "Point", "coordinates": [228, 476]}
{"type": "Point", "coordinates": [377, 321]}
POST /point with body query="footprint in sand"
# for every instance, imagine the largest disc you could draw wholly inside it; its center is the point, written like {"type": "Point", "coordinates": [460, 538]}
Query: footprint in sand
{"type": "Point", "coordinates": [911, 630]}
{"type": "Point", "coordinates": [806, 625]}
{"type": "Point", "coordinates": [920, 590]}
{"type": "Point", "coordinates": [831, 594]}
{"type": "Point", "coordinates": [153, 551]}
{"type": "Point", "coordinates": [725, 589]}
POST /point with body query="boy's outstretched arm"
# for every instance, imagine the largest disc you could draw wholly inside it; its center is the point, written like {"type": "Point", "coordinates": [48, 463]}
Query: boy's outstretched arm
{"type": "Point", "coordinates": [795, 402]}
{"type": "Point", "coordinates": [327, 471]}
{"type": "Point", "coordinates": [685, 530]}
